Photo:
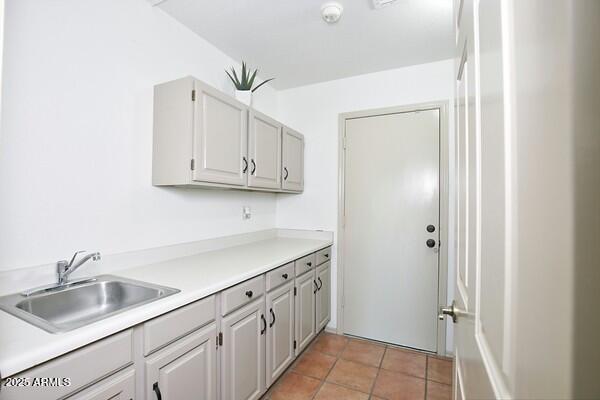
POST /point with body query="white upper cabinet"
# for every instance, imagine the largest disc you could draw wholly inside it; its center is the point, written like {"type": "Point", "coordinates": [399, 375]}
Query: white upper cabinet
{"type": "Point", "coordinates": [220, 137]}
{"type": "Point", "coordinates": [264, 151]}
{"type": "Point", "coordinates": [292, 173]}
{"type": "Point", "coordinates": [205, 138]}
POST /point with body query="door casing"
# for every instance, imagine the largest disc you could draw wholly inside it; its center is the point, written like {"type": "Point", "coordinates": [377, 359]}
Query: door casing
{"type": "Point", "coordinates": [442, 107]}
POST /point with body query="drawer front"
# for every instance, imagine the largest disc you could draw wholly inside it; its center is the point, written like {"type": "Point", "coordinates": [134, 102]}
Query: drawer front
{"type": "Point", "coordinates": [82, 367]}
{"type": "Point", "coordinates": [120, 386]}
{"type": "Point", "coordinates": [167, 328]}
{"type": "Point", "coordinates": [241, 294]}
{"type": "Point", "coordinates": [280, 275]}
{"type": "Point", "coordinates": [305, 264]}
{"type": "Point", "coordinates": [323, 255]}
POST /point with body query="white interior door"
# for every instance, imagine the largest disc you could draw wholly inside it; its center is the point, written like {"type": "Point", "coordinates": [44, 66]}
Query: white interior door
{"type": "Point", "coordinates": [480, 335]}
{"type": "Point", "coordinates": [391, 197]}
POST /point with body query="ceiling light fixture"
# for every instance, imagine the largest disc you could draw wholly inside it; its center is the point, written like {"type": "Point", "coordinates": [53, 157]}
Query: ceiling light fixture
{"type": "Point", "coordinates": [377, 4]}
{"type": "Point", "coordinates": [332, 12]}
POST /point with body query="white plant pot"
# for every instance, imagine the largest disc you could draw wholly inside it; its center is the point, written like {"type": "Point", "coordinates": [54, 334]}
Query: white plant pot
{"type": "Point", "coordinates": [244, 96]}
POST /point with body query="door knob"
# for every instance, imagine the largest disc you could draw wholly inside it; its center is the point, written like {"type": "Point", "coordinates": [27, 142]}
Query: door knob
{"type": "Point", "coordinates": [430, 243]}
{"type": "Point", "coordinates": [449, 311]}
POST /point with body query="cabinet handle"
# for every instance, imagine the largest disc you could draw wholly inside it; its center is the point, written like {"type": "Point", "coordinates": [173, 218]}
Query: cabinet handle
{"type": "Point", "coordinates": [286, 173]}
{"type": "Point", "coordinates": [157, 391]}
{"type": "Point", "coordinates": [245, 165]}
{"type": "Point", "coordinates": [284, 276]}
{"type": "Point", "coordinates": [272, 318]}
{"type": "Point", "coordinates": [326, 255]}
{"type": "Point", "coordinates": [249, 294]}
{"type": "Point", "coordinates": [253, 167]}
{"type": "Point", "coordinates": [316, 286]}
{"type": "Point", "coordinates": [264, 320]}
{"type": "Point", "coordinates": [321, 282]}
{"type": "Point", "coordinates": [309, 264]}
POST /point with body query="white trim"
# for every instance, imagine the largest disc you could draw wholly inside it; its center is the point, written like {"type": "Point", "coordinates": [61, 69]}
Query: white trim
{"type": "Point", "coordinates": [442, 106]}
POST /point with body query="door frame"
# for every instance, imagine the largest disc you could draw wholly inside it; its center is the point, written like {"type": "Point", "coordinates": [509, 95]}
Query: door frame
{"type": "Point", "coordinates": [442, 107]}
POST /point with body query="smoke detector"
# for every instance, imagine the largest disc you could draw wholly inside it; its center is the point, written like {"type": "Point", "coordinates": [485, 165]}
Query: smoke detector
{"type": "Point", "coordinates": [332, 12]}
{"type": "Point", "coordinates": [377, 4]}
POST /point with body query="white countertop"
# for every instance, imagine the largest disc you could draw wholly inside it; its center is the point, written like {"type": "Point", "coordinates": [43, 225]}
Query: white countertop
{"type": "Point", "coordinates": [23, 345]}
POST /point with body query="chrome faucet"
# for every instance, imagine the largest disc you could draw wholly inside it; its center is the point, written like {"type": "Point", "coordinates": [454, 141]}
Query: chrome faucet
{"type": "Point", "coordinates": [65, 268]}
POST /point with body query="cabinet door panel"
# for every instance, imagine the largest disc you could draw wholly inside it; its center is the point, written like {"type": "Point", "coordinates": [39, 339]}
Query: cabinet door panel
{"type": "Point", "coordinates": [186, 367]}
{"type": "Point", "coordinates": [305, 310]}
{"type": "Point", "coordinates": [220, 137]}
{"type": "Point", "coordinates": [243, 356]}
{"type": "Point", "coordinates": [323, 295]}
{"type": "Point", "coordinates": [292, 160]}
{"type": "Point", "coordinates": [264, 152]}
{"type": "Point", "coordinates": [280, 334]}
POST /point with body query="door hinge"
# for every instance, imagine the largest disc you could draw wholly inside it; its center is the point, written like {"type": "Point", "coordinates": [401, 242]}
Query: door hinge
{"type": "Point", "coordinates": [193, 95]}
{"type": "Point", "coordinates": [344, 141]}
{"type": "Point", "coordinates": [294, 345]}
{"type": "Point", "coordinates": [217, 342]}
{"type": "Point", "coordinates": [220, 338]}
{"type": "Point", "coordinates": [192, 164]}
{"type": "Point", "coordinates": [295, 290]}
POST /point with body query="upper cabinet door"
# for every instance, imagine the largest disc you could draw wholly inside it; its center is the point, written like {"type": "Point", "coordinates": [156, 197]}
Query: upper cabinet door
{"type": "Point", "coordinates": [220, 137]}
{"type": "Point", "coordinates": [264, 152]}
{"type": "Point", "coordinates": [292, 173]}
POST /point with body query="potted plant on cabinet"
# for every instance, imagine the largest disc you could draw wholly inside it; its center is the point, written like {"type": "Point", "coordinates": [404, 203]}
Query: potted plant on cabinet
{"type": "Point", "coordinates": [243, 84]}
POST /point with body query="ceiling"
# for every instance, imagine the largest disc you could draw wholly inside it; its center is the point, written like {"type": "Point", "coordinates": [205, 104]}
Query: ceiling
{"type": "Point", "coordinates": [288, 39]}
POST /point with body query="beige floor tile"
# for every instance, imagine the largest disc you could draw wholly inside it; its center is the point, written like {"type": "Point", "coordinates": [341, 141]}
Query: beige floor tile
{"type": "Point", "coordinates": [330, 391]}
{"type": "Point", "coordinates": [330, 344]}
{"type": "Point", "coordinates": [405, 361]}
{"type": "Point", "coordinates": [314, 363]}
{"type": "Point", "coordinates": [438, 391]}
{"type": "Point", "coordinates": [439, 370]}
{"type": "Point", "coordinates": [396, 386]}
{"type": "Point", "coordinates": [363, 352]}
{"type": "Point", "coordinates": [353, 375]}
{"type": "Point", "coordinates": [295, 387]}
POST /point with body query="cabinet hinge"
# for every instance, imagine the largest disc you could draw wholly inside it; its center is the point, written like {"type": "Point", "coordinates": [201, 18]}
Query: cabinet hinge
{"type": "Point", "coordinates": [294, 345]}
{"type": "Point", "coordinates": [217, 342]}
{"type": "Point", "coordinates": [295, 290]}
{"type": "Point", "coordinates": [193, 95]}
{"type": "Point", "coordinates": [220, 338]}
{"type": "Point", "coordinates": [192, 164]}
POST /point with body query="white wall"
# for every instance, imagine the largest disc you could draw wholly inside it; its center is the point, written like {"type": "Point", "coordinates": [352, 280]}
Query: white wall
{"type": "Point", "coordinates": [76, 143]}
{"type": "Point", "coordinates": [314, 111]}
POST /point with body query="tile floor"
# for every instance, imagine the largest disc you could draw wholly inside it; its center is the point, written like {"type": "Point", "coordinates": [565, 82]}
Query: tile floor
{"type": "Point", "coordinates": [335, 367]}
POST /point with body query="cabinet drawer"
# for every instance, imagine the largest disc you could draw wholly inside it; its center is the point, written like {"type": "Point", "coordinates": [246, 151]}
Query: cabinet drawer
{"type": "Point", "coordinates": [323, 255]}
{"type": "Point", "coordinates": [241, 294]}
{"type": "Point", "coordinates": [169, 327]}
{"type": "Point", "coordinates": [120, 386]}
{"type": "Point", "coordinates": [280, 275]}
{"type": "Point", "coordinates": [82, 367]}
{"type": "Point", "coordinates": [305, 264]}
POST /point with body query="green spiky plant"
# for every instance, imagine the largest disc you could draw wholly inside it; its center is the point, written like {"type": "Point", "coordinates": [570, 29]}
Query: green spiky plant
{"type": "Point", "coordinates": [247, 78]}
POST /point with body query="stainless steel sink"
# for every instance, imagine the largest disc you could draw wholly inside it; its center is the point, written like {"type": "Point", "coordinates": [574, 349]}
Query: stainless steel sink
{"type": "Point", "coordinates": [76, 304]}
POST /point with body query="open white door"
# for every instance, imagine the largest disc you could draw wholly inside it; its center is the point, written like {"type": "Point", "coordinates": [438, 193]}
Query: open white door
{"type": "Point", "coordinates": [480, 323]}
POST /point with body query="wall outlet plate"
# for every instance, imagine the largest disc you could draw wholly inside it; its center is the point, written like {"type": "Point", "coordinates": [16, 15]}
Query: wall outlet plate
{"type": "Point", "coordinates": [246, 212]}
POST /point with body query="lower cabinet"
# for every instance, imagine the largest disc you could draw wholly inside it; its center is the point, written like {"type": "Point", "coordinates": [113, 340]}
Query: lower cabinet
{"type": "Point", "coordinates": [280, 333]}
{"type": "Point", "coordinates": [306, 289]}
{"type": "Point", "coordinates": [186, 369]}
{"type": "Point", "coordinates": [243, 352]}
{"type": "Point", "coordinates": [323, 309]}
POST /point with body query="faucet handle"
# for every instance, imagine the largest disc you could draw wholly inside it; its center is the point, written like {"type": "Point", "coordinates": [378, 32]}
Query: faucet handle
{"type": "Point", "coordinates": [74, 257]}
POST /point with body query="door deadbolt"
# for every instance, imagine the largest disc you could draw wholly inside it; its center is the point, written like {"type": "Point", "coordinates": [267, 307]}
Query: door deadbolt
{"type": "Point", "coordinates": [430, 243]}
{"type": "Point", "coordinates": [430, 228]}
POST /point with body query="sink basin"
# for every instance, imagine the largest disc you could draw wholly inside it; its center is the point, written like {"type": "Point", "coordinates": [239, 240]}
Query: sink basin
{"type": "Point", "coordinates": [61, 309]}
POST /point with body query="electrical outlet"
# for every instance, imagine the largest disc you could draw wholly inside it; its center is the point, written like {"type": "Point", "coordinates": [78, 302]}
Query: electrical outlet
{"type": "Point", "coordinates": [246, 212]}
